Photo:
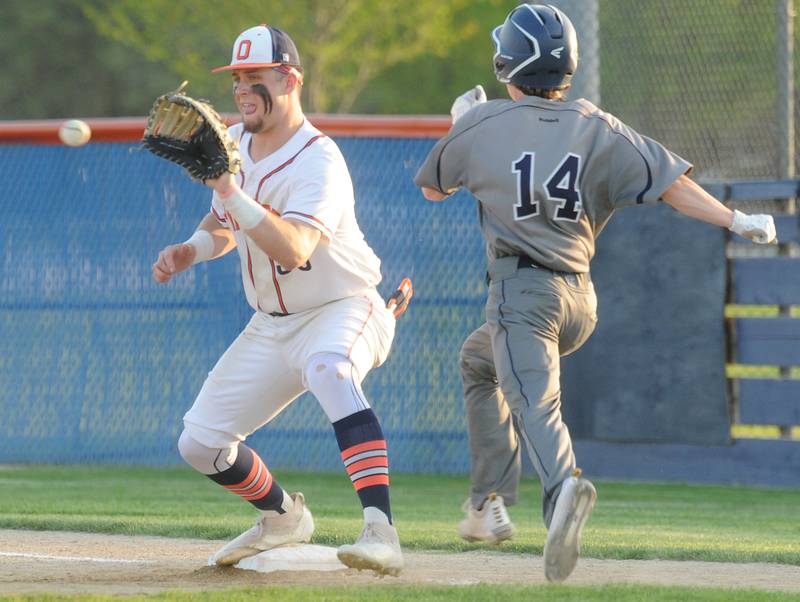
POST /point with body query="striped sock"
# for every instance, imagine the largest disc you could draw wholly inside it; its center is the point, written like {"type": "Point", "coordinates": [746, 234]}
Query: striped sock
{"type": "Point", "coordinates": [250, 479]}
{"type": "Point", "coordinates": [365, 457]}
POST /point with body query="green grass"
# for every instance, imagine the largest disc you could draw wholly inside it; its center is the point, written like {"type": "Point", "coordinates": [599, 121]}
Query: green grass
{"type": "Point", "coordinates": [632, 520]}
{"type": "Point", "coordinates": [480, 593]}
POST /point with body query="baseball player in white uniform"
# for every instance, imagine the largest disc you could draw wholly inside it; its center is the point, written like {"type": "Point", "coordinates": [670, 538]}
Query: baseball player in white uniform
{"type": "Point", "coordinates": [547, 174]}
{"type": "Point", "coordinates": [319, 323]}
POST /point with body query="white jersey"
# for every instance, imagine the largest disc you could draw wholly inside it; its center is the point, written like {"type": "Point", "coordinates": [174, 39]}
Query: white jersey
{"type": "Point", "coordinates": [305, 180]}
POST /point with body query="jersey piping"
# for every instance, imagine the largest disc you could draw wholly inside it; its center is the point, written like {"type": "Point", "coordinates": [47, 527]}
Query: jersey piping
{"type": "Point", "coordinates": [286, 163]}
{"type": "Point", "coordinates": [274, 274]}
{"type": "Point", "coordinates": [250, 271]}
{"type": "Point", "coordinates": [639, 197]}
{"type": "Point", "coordinates": [318, 221]}
{"type": "Point", "coordinates": [277, 287]}
{"type": "Point", "coordinates": [500, 323]}
{"type": "Point", "coordinates": [220, 218]}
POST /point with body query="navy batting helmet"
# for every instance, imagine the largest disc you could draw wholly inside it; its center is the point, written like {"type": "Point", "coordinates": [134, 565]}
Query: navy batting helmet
{"type": "Point", "coordinates": [536, 48]}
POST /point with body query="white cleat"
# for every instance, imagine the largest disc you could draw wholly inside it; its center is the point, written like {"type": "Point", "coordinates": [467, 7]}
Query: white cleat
{"type": "Point", "coordinates": [490, 524]}
{"type": "Point", "coordinates": [573, 507]}
{"type": "Point", "coordinates": [376, 549]}
{"type": "Point", "coordinates": [270, 531]}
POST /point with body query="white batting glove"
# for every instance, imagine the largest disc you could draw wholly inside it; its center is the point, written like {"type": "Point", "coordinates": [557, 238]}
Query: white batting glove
{"type": "Point", "coordinates": [758, 228]}
{"type": "Point", "coordinates": [466, 101]}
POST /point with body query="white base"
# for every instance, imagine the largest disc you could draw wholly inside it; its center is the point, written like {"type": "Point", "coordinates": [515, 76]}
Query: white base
{"type": "Point", "coordinates": [296, 557]}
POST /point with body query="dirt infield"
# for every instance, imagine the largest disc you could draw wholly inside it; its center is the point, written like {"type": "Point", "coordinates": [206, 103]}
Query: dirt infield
{"type": "Point", "coordinates": [61, 562]}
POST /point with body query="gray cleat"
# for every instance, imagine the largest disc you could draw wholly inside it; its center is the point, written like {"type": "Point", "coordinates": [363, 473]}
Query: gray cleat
{"type": "Point", "coordinates": [572, 509]}
{"type": "Point", "coordinates": [376, 549]}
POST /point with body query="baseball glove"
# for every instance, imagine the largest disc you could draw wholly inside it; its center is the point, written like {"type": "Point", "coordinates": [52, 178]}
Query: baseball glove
{"type": "Point", "coordinates": [191, 133]}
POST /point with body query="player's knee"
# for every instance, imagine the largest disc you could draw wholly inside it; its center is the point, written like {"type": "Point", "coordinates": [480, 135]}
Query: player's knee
{"type": "Point", "coordinates": [191, 451]}
{"type": "Point", "coordinates": [206, 460]}
{"type": "Point", "coordinates": [327, 372]}
{"type": "Point", "coordinates": [464, 358]}
{"type": "Point", "coordinates": [334, 382]}
{"type": "Point", "coordinates": [474, 363]}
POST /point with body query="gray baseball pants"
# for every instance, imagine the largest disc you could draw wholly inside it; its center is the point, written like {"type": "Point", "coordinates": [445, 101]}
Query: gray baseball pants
{"type": "Point", "coordinates": [510, 373]}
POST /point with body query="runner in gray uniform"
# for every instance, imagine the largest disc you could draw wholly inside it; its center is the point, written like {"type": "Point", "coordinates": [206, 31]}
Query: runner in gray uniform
{"type": "Point", "coordinates": [547, 174]}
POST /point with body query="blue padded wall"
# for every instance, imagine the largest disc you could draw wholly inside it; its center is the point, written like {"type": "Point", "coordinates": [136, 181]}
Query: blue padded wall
{"type": "Point", "coordinates": [98, 363]}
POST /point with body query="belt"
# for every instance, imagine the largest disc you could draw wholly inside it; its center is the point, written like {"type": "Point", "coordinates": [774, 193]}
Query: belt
{"type": "Point", "coordinates": [523, 261]}
{"type": "Point", "coordinates": [277, 314]}
{"type": "Point", "coordinates": [527, 262]}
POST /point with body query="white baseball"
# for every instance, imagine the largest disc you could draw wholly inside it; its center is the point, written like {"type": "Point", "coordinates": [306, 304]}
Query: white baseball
{"type": "Point", "coordinates": [74, 132]}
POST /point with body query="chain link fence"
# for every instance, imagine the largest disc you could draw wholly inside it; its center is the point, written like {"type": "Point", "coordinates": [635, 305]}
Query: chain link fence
{"type": "Point", "coordinates": [98, 364]}
{"type": "Point", "coordinates": [708, 78]}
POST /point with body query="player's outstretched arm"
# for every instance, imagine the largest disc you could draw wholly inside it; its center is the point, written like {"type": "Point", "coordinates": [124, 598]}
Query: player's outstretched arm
{"type": "Point", "coordinates": [209, 241]}
{"type": "Point", "coordinates": [689, 198]}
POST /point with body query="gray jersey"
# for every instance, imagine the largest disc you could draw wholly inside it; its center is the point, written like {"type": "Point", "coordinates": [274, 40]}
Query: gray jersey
{"type": "Point", "coordinates": [548, 175]}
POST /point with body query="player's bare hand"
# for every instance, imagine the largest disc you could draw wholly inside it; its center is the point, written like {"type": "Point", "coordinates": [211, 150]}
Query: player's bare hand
{"type": "Point", "coordinates": [432, 194]}
{"type": "Point", "coordinates": [223, 185]}
{"type": "Point", "coordinates": [758, 228]}
{"type": "Point", "coordinates": [171, 260]}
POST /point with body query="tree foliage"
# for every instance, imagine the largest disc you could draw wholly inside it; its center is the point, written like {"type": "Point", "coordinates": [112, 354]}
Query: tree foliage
{"type": "Point", "coordinates": [343, 44]}
{"type": "Point", "coordinates": [56, 65]}
{"type": "Point", "coordinates": [699, 75]}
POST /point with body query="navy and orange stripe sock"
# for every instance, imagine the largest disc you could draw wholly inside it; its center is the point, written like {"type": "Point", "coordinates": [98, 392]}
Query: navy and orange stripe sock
{"type": "Point", "coordinates": [250, 479]}
{"type": "Point", "coordinates": [365, 458]}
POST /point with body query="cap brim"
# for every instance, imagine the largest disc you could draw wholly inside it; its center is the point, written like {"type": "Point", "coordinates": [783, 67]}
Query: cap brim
{"type": "Point", "coordinates": [245, 67]}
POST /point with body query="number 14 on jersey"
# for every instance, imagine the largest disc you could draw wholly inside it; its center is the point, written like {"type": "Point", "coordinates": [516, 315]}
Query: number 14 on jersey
{"type": "Point", "coordinates": [561, 187]}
